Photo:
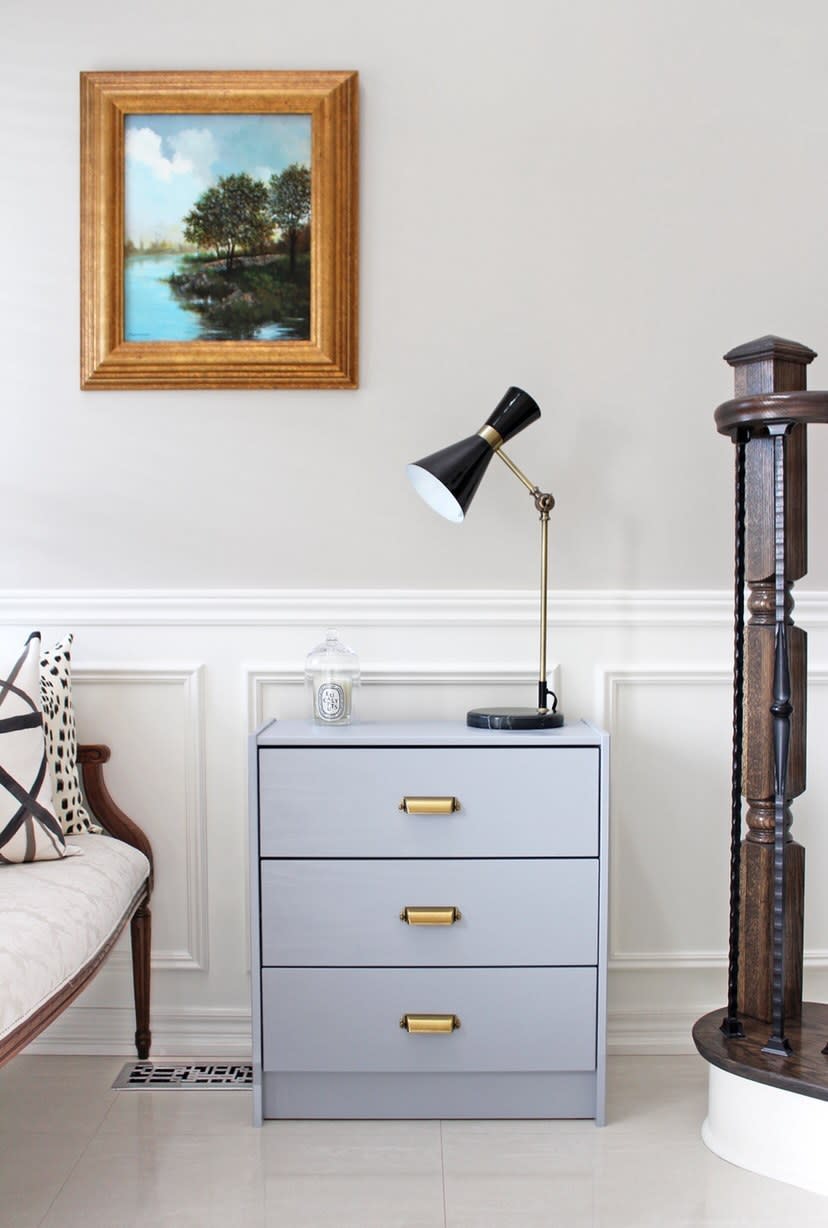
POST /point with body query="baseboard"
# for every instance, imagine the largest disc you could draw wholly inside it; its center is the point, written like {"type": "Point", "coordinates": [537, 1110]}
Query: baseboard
{"type": "Point", "coordinates": [666, 1033]}
{"type": "Point", "coordinates": [225, 1033]}
{"type": "Point", "coordinates": [198, 1032]}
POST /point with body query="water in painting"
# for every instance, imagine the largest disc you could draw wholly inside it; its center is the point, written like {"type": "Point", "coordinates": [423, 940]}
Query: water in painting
{"type": "Point", "coordinates": [217, 227]}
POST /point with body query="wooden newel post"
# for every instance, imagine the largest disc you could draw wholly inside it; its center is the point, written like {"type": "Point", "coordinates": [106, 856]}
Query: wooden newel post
{"type": "Point", "coordinates": [771, 365]}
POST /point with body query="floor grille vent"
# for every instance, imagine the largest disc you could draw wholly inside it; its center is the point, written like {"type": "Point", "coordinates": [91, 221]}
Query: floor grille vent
{"type": "Point", "coordinates": [185, 1074]}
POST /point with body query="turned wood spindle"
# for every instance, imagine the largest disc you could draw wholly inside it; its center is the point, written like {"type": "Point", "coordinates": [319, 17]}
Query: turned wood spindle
{"type": "Point", "coordinates": [771, 365]}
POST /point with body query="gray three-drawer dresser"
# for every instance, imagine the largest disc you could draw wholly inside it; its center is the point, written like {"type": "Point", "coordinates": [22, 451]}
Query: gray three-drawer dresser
{"type": "Point", "coordinates": [429, 913]}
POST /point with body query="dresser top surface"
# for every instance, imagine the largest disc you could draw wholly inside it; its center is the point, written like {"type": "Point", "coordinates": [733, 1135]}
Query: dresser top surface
{"type": "Point", "coordinates": [421, 733]}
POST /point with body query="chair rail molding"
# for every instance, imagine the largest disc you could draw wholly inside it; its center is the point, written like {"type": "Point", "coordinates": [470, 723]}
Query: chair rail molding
{"type": "Point", "coordinates": [377, 607]}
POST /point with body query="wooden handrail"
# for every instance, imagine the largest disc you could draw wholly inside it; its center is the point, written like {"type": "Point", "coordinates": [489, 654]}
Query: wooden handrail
{"type": "Point", "coordinates": [771, 408]}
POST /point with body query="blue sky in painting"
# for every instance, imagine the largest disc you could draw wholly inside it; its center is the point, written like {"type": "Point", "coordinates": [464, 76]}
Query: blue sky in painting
{"type": "Point", "coordinates": [170, 159]}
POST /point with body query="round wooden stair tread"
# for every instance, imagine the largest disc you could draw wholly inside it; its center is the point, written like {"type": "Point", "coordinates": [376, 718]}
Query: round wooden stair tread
{"type": "Point", "coordinates": [804, 1072]}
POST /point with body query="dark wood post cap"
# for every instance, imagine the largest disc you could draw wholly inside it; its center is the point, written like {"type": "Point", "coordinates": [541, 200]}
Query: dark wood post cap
{"type": "Point", "coordinates": [766, 365]}
{"type": "Point", "coordinates": [769, 348]}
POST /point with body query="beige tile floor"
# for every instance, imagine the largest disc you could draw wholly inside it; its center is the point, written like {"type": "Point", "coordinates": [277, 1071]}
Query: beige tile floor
{"type": "Point", "coordinates": [75, 1154]}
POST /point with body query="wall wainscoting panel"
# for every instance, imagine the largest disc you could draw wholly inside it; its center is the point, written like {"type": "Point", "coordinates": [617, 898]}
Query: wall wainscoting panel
{"type": "Point", "coordinates": [160, 782]}
{"type": "Point", "coordinates": [670, 727]}
{"type": "Point", "coordinates": [653, 667]}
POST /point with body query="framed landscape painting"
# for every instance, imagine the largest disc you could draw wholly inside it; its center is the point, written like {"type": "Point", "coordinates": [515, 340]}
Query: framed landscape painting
{"type": "Point", "coordinates": [219, 230]}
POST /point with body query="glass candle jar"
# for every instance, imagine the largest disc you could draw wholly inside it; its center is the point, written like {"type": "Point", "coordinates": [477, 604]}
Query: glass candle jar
{"type": "Point", "coordinates": [331, 674]}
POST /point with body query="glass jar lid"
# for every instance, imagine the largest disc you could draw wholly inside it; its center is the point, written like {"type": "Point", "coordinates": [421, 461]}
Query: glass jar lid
{"type": "Point", "coordinates": [332, 655]}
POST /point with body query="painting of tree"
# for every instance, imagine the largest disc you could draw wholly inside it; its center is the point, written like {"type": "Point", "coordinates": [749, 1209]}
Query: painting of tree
{"type": "Point", "coordinates": [290, 203]}
{"type": "Point", "coordinates": [233, 217]}
{"type": "Point", "coordinates": [217, 227]}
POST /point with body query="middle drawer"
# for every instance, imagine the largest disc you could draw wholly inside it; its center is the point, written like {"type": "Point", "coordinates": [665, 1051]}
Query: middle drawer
{"type": "Point", "coordinates": [344, 913]}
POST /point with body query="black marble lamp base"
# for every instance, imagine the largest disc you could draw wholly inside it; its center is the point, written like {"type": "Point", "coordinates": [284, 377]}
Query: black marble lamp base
{"type": "Point", "coordinates": [513, 718]}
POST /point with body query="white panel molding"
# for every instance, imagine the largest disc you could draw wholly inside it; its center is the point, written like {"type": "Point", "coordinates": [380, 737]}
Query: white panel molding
{"type": "Point", "coordinates": [392, 674]}
{"type": "Point", "coordinates": [194, 957]}
{"type": "Point", "coordinates": [379, 607]}
{"type": "Point", "coordinates": [609, 680]}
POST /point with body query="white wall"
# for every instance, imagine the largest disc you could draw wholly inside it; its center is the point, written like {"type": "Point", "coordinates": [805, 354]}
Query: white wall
{"type": "Point", "coordinates": [593, 200]}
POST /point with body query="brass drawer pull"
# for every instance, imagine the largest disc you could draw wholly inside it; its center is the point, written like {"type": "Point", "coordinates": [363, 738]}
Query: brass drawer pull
{"type": "Point", "coordinates": [429, 805]}
{"type": "Point", "coordinates": [431, 916]}
{"type": "Point", "coordinates": [435, 1024]}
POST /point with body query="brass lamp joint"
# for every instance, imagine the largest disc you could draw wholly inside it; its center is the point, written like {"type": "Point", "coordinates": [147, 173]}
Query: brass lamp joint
{"type": "Point", "coordinates": [493, 438]}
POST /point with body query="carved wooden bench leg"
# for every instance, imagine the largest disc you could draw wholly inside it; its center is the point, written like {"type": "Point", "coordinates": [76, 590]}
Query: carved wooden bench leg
{"type": "Point", "coordinates": [141, 933]}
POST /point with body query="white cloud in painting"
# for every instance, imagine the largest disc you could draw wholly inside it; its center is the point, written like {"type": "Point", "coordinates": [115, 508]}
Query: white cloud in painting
{"type": "Point", "coordinates": [198, 149]}
{"type": "Point", "coordinates": [171, 159]}
{"type": "Point", "coordinates": [144, 146]}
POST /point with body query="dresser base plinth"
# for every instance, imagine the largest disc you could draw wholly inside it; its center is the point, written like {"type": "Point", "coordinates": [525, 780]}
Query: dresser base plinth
{"type": "Point", "coordinates": [522, 1095]}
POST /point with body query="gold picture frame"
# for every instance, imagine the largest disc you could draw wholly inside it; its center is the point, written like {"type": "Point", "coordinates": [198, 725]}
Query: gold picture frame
{"type": "Point", "coordinates": [329, 357]}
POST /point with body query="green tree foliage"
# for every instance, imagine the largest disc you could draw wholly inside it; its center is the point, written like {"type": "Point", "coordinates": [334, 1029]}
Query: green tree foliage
{"type": "Point", "coordinates": [290, 204]}
{"type": "Point", "coordinates": [231, 217]}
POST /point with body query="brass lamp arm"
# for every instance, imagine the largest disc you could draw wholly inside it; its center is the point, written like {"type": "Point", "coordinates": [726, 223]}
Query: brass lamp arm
{"type": "Point", "coordinates": [544, 502]}
{"type": "Point", "coordinates": [519, 474]}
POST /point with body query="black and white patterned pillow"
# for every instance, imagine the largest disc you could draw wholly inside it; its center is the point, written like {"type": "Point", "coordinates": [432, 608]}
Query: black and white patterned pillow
{"type": "Point", "coordinates": [62, 738]}
{"type": "Point", "coordinates": [29, 828]}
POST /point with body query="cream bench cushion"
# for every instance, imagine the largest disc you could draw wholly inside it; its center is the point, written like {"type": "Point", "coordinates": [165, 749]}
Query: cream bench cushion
{"type": "Point", "coordinates": [56, 916]}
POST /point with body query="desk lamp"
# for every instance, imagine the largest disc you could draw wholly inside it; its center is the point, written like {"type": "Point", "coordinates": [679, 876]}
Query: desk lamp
{"type": "Point", "coordinates": [447, 481]}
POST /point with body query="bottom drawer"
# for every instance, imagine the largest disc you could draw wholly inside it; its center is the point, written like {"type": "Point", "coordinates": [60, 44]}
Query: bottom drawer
{"type": "Point", "coordinates": [348, 1019]}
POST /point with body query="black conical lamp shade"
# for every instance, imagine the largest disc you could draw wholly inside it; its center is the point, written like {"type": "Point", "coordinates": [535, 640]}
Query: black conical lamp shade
{"type": "Point", "coordinates": [447, 480]}
{"type": "Point", "coordinates": [515, 411]}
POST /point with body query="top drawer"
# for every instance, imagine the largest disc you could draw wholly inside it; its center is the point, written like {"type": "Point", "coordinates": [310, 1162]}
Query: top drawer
{"type": "Point", "coordinates": [521, 802]}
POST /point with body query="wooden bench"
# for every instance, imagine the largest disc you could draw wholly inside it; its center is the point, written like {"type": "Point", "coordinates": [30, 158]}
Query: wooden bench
{"type": "Point", "coordinates": [60, 919]}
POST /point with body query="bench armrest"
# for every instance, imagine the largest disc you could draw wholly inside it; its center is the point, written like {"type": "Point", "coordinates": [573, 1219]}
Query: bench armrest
{"type": "Point", "coordinates": [91, 760]}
